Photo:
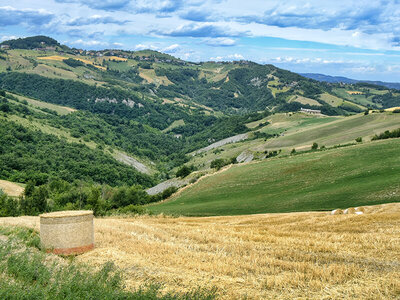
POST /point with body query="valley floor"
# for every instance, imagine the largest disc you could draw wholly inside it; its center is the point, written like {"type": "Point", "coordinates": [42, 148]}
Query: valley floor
{"type": "Point", "coordinates": [309, 255]}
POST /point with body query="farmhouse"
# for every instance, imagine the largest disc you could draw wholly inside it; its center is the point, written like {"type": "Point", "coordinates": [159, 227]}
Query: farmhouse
{"type": "Point", "coordinates": [310, 111]}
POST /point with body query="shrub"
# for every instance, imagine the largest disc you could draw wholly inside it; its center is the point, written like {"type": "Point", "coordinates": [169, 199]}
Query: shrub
{"type": "Point", "coordinates": [293, 151]}
{"type": "Point", "coordinates": [314, 146]}
{"type": "Point", "coordinates": [396, 111]}
{"type": "Point", "coordinates": [132, 209]}
{"type": "Point", "coordinates": [387, 135]}
{"type": "Point", "coordinates": [193, 180]}
{"type": "Point", "coordinates": [271, 153]}
{"type": "Point", "coordinates": [218, 163]}
{"type": "Point", "coordinates": [183, 171]}
{"type": "Point", "coordinates": [359, 139]}
{"type": "Point", "coordinates": [168, 192]}
{"type": "Point", "coordinates": [73, 62]}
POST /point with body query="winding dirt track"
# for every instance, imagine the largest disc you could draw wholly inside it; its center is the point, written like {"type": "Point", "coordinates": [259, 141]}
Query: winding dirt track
{"type": "Point", "coordinates": [270, 256]}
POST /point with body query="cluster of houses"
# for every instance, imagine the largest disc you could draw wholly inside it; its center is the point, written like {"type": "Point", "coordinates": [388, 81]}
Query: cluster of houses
{"type": "Point", "coordinates": [127, 56]}
{"type": "Point", "coordinates": [47, 48]}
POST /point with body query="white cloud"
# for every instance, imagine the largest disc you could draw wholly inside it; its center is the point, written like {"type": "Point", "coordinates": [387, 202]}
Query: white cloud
{"type": "Point", "coordinates": [220, 42]}
{"type": "Point", "coordinates": [89, 43]}
{"type": "Point", "coordinates": [228, 57]}
{"type": "Point", "coordinates": [171, 49]}
{"type": "Point", "coordinates": [236, 56]}
{"type": "Point", "coordinates": [145, 46]}
{"type": "Point", "coordinates": [8, 37]}
{"type": "Point", "coordinates": [316, 60]}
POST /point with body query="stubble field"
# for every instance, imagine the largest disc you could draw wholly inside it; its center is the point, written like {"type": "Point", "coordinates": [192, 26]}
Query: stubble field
{"type": "Point", "coordinates": [310, 255]}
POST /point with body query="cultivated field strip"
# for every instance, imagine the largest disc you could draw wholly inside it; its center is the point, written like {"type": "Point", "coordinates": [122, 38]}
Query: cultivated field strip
{"type": "Point", "coordinates": [279, 256]}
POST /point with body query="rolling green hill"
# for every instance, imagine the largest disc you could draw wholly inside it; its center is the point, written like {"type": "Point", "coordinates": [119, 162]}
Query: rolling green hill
{"type": "Point", "coordinates": [208, 87]}
{"type": "Point", "coordinates": [363, 174]}
{"type": "Point", "coordinates": [299, 131]}
{"type": "Point", "coordinates": [153, 112]}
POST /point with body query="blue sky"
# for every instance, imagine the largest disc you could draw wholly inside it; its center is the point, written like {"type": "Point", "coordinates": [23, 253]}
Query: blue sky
{"type": "Point", "coordinates": [358, 39]}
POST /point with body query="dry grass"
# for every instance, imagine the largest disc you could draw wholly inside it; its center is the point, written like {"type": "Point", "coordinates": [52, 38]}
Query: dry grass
{"type": "Point", "coordinates": [304, 100]}
{"type": "Point", "coordinates": [11, 188]}
{"type": "Point", "coordinates": [150, 76]}
{"type": "Point", "coordinates": [54, 57]}
{"type": "Point", "coordinates": [393, 108]}
{"type": "Point", "coordinates": [88, 62]}
{"type": "Point", "coordinates": [271, 256]}
{"type": "Point", "coordinates": [115, 58]}
{"type": "Point", "coordinates": [61, 58]}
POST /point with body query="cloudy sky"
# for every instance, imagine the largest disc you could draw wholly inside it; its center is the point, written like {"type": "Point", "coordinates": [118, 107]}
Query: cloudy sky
{"type": "Point", "coordinates": [354, 38]}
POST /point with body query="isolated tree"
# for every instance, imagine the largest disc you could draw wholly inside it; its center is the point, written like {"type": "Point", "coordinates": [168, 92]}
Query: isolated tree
{"type": "Point", "coordinates": [183, 171]}
{"type": "Point", "coordinates": [314, 146]}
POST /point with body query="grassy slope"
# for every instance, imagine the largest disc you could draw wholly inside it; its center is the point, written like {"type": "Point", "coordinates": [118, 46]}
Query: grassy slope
{"type": "Point", "coordinates": [301, 130]}
{"type": "Point", "coordinates": [338, 178]}
{"type": "Point", "coordinates": [61, 110]}
{"type": "Point", "coordinates": [342, 131]}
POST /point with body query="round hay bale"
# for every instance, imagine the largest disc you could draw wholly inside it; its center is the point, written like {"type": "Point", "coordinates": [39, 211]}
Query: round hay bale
{"type": "Point", "coordinates": [349, 211]}
{"type": "Point", "coordinates": [67, 232]}
{"type": "Point", "coordinates": [337, 212]}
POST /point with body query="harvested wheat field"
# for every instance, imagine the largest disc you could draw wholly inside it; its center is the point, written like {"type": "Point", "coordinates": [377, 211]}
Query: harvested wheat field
{"type": "Point", "coordinates": [11, 188]}
{"type": "Point", "coordinates": [54, 57]}
{"type": "Point", "coordinates": [269, 256]}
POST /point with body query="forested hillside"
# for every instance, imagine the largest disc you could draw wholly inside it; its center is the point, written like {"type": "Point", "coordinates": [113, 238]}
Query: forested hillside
{"type": "Point", "coordinates": [97, 119]}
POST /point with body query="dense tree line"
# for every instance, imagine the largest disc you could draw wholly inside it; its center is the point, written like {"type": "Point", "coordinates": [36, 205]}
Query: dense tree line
{"type": "Point", "coordinates": [387, 135]}
{"type": "Point", "coordinates": [58, 194]}
{"type": "Point", "coordinates": [32, 155]}
{"type": "Point", "coordinates": [73, 62]}
{"type": "Point", "coordinates": [31, 42]}
{"type": "Point", "coordinates": [237, 95]}
{"type": "Point", "coordinates": [386, 100]}
{"type": "Point", "coordinates": [136, 138]}
{"type": "Point", "coordinates": [91, 98]}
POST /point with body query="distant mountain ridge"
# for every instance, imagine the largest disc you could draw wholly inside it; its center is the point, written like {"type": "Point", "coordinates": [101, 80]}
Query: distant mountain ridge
{"type": "Point", "coordinates": [336, 79]}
